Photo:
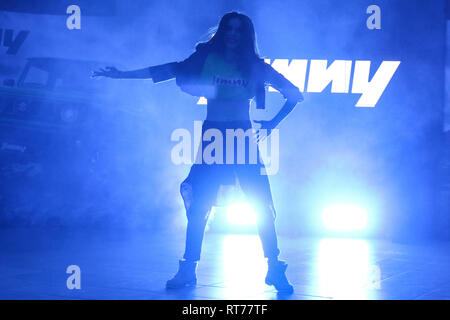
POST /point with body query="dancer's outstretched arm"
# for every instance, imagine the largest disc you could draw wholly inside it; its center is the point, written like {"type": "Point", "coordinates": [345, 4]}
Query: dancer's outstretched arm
{"type": "Point", "coordinates": [157, 73]}
{"type": "Point", "coordinates": [112, 72]}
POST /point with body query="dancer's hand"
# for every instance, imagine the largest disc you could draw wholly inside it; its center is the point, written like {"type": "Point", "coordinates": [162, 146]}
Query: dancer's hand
{"type": "Point", "coordinates": [109, 72]}
{"type": "Point", "coordinates": [267, 126]}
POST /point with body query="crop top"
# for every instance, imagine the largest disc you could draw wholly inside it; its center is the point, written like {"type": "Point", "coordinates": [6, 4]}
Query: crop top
{"type": "Point", "coordinates": [206, 74]}
{"type": "Point", "coordinates": [226, 82]}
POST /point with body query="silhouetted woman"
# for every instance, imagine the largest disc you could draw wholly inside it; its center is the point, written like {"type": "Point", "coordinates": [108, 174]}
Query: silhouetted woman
{"type": "Point", "coordinates": [228, 71]}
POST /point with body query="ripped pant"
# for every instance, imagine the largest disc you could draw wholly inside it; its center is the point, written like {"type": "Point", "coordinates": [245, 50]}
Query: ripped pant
{"type": "Point", "coordinates": [199, 196]}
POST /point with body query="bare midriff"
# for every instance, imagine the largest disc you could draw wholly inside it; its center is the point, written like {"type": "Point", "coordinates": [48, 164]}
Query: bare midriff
{"type": "Point", "coordinates": [228, 110]}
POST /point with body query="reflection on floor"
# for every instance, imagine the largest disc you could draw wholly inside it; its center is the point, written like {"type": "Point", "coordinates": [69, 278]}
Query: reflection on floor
{"type": "Point", "coordinates": [136, 264]}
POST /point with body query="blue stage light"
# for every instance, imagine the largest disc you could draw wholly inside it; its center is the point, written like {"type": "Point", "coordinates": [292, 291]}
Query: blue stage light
{"type": "Point", "coordinates": [241, 213]}
{"type": "Point", "coordinates": [345, 217]}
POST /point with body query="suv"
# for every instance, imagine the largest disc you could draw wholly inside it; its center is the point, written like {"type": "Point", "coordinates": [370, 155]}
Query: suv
{"type": "Point", "coordinates": [51, 93]}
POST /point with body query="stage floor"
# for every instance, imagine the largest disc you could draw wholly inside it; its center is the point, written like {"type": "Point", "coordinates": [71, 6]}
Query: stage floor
{"type": "Point", "coordinates": [126, 264]}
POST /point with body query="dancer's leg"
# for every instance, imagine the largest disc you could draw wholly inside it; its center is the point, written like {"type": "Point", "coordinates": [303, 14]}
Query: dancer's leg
{"type": "Point", "coordinates": [198, 207]}
{"type": "Point", "coordinates": [257, 189]}
{"type": "Point", "coordinates": [197, 216]}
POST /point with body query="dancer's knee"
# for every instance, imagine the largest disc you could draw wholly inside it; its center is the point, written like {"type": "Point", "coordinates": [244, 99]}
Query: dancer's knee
{"type": "Point", "coordinates": [187, 194]}
{"type": "Point", "coordinates": [198, 212]}
{"type": "Point", "coordinates": [197, 206]}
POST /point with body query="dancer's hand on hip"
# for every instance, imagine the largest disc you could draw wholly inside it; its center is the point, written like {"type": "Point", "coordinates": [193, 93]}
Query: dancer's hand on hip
{"type": "Point", "coordinates": [265, 129]}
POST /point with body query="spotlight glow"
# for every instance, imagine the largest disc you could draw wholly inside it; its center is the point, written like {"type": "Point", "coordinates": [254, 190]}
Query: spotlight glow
{"type": "Point", "coordinates": [344, 217]}
{"type": "Point", "coordinates": [345, 269]}
{"type": "Point", "coordinates": [242, 267]}
{"type": "Point", "coordinates": [241, 213]}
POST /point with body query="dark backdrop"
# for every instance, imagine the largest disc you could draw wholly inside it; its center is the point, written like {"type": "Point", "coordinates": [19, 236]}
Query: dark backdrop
{"type": "Point", "coordinates": [115, 169]}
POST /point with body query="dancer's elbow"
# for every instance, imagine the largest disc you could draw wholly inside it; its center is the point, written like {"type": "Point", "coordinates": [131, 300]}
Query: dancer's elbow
{"type": "Point", "coordinates": [294, 96]}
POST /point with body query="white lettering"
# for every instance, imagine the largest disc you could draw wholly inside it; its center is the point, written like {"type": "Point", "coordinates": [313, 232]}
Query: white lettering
{"type": "Point", "coordinates": [338, 73]}
{"type": "Point", "coordinates": [373, 89]}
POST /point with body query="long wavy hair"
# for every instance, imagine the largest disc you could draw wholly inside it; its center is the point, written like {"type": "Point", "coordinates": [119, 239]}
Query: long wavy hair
{"type": "Point", "coordinates": [248, 47]}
